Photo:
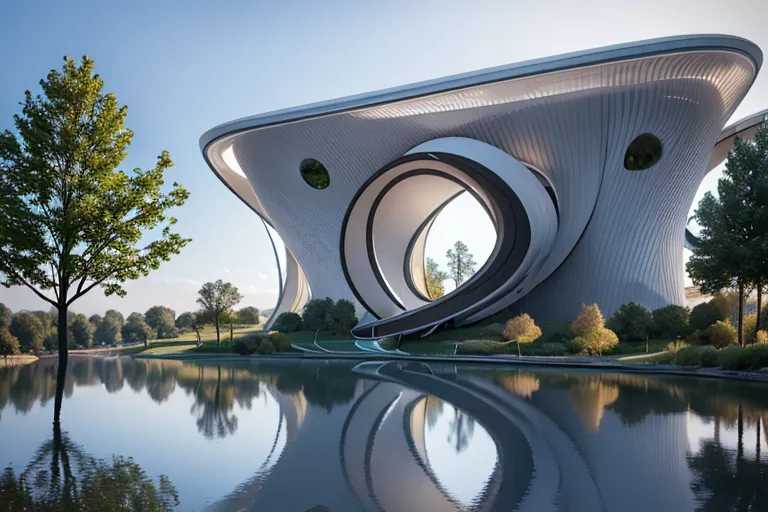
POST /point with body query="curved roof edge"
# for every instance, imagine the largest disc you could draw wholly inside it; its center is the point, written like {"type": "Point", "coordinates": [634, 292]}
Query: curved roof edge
{"type": "Point", "coordinates": [562, 62]}
{"type": "Point", "coordinates": [743, 124]}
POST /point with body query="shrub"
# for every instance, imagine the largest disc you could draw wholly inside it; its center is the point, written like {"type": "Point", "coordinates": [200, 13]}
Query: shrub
{"type": "Point", "coordinates": [545, 348]}
{"type": "Point", "coordinates": [266, 348]}
{"type": "Point", "coordinates": [341, 317]}
{"type": "Point", "coordinates": [280, 341]}
{"type": "Point", "coordinates": [315, 313]}
{"type": "Point", "coordinates": [596, 342]}
{"type": "Point", "coordinates": [727, 303]}
{"type": "Point", "coordinates": [590, 319]}
{"type": "Point", "coordinates": [559, 337]}
{"type": "Point", "coordinates": [696, 356]}
{"type": "Point", "coordinates": [699, 337]}
{"type": "Point", "coordinates": [632, 322]}
{"type": "Point", "coordinates": [750, 328]}
{"type": "Point", "coordinates": [704, 315]}
{"type": "Point", "coordinates": [731, 358]}
{"type": "Point", "coordinates": [761, 337]}
{"type": "Point", "coordinates": [670, 322]}
{"type": "Point", "coordinates": [288, 322]}
{"type": "Point", "coordinates": [739, 358]}
{"type": "Point", "coordinates": [241, 348]}
{"type": "Point", "coordinates": [722, 334]}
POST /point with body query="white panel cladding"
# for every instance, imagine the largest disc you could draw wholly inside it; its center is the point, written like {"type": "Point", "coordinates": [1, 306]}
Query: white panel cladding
{"type": "Point", "coordinates": [573, 125]}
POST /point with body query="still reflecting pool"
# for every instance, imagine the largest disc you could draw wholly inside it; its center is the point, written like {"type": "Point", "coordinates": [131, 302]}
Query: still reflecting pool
{"type": "Point", "coordinates": [246, 435]}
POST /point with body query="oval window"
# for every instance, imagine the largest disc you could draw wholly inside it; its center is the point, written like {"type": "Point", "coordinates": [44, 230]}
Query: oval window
{"type": "Point", "coordinates": [315, 174]}
{"type": "Point", "coordinates": [642, 153]}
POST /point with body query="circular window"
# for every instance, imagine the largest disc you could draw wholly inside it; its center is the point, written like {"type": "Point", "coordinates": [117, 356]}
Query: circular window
{"type": "Point", "coordinates": [315, 174]}
{"type": "Point", "coordinates": [643, 153]}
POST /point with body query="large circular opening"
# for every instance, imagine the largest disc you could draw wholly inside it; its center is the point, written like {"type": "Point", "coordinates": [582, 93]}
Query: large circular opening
{"type": "Point", "coordinates": [315, 174]}
{"type": "Point", "coordinates": [458, 243]}
{"type": "Point", "coordinates": [642, 153]}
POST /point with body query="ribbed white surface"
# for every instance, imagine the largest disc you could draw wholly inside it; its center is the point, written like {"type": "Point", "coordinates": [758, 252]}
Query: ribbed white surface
{"type": "Point", "coordinates": [573, 125]}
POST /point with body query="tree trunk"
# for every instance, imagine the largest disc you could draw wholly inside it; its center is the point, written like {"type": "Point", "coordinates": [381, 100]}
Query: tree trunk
{"type": "Point", "coordinates": [759, 303]}
{"type": "Point", "coordinates": [740, 442]}
{"type": "Point", "coordinates": [216, 323]}
{"type": "Point", "coordinates": [63, 357]}
{"type": "Point", "coordinates": [231, 332]}
{"type": "Point", "coordinates": [741, 312]}
{"type": "Point", "coordinates": [518, 349]}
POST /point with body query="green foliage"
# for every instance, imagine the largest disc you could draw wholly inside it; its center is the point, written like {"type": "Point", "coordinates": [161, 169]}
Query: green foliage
{"type": "Point", "coordinates": [162, 320]}
{"type": "Point", "coordinates": [82, 331]}
{"type": "Point", "coordinates": [216, 298]}
{"type": "Point", "coordinates": [266, 347]}
{"type": "Point", "coordinates": [751, 358]}
{"type": "Point", "coordinates": [109, 331]}
{"type": "Point", "coordinates": [705, 314]}
{"type": "Point", "coordinates": [241, 347]}
{"type": "Point", "coordinates": [632, 322]}
{"type": "Point", "coordinates": [69, 219]}
{"type": "Point", "coordinates": [670, 322]}
{"type": "Point", "coordinates": [461, 263]}
{"type": "Point", "coordinates": [341, 317]}
{"type": "Point", "coordinates": [280, 341]}
{"type": "Point", "coordinates": [696, 356]}
{"type": "Point", "coordinates": [722, 334]}
{"type": "Point", "coordinates": [29, 330]}
{"type": "Point", "coordinates": [6, 315]}
{"type": "Point", "coordinates": [727, 303]}
{"type": "Point", "coordinates": [435, 278]}
{"type": "Point", "coordinates": [248, 315]}
{"type": "Point", "coordinates": [750, 328]}
{"type": "Point", "coordinates": [315, 174]}
{"type": "Point", "coordinates": [9, 344]}
{"type": "Point", "coordinates": [761, 337]}
{"type": "Point", "coordinates": [185, 320]}
{"type": "Point", "coordinates": [316, 313]}
{"type": "Point", "coordinates": [136, 329]}
{"type": "Point", "coordinates": [288, 322]}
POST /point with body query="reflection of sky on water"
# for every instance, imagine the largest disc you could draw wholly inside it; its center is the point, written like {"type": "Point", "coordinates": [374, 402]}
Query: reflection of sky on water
{"type": "Point", "coordinates": [450, 465]}
{"type": "Point", "coordinates": [703, 429]}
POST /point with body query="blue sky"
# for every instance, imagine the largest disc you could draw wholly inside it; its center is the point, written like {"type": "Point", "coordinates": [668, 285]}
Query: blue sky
{"type": "Point", "coordinates": [183, 67]}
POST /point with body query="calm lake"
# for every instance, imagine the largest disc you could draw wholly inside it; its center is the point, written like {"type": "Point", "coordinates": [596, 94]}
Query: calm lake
{"type": "Point", "coordinates": [338, 436]}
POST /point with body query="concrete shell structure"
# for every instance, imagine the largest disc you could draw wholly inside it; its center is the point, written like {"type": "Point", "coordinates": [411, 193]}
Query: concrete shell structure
{"type": "Point", "coordinates": [543, 147]}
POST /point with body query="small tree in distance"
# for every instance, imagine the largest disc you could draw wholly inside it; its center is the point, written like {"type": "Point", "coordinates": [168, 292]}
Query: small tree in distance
{"type": "Point", "coordinates": [136, 329]}
{"type": "Point", "coordinates": [435, 278]}
{"type": "Point", "coordinates": [288, 322]}
{"type": "Point", "coordinates": [461, 263]}
{"type": "Point", "coordinates": [162, 321]}
{"type": "Point", "coordinates": [9, 344]}
{"type": "Point", "coordinates": [316, 312]}
{"type": "Point", "coordinates": [521, 329]}
{"type": "Point", "coordinates": [215, 298]}
{"type": "Point", "coordinates": [632, 322]}
{"type": "Point", "coordinates": [341, 317]}
{"type": "Point", "coordinates": [248, 315]}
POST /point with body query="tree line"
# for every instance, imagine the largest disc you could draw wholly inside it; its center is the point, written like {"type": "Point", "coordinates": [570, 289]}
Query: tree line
{"type": "Point", "coordinates": [36, 331]}
{"type": "Point", "coordinates": [734, 228]}
{"type": "Point", "coordinates": [461, 266]}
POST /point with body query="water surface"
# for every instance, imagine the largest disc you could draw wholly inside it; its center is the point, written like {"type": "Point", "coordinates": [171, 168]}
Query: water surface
{"type": "Point", "coordinates": [247, 435]}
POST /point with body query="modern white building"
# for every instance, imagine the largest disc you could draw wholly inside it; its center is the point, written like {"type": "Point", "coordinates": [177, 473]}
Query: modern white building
{"type": "Point", "coordinates": [586, 163]}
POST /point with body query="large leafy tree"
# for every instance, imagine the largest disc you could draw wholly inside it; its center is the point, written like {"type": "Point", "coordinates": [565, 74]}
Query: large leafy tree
{"type": "Point", "coordinates": [163, 320]}
{"type": "Point", "coordinates": [216, 298]}
{"type": "Point", "coordinates": [29, 330]}
{"type": "Point", "coordinates": [248, 315]}
{"type": "Point", "coordinates": [435, 278]}
{"type": "Point", "coordinates": [733, 232]}
{"type": "Point", "coordinates": [69, 219]}
{"type": "Point", "coordinates": [136, 329]}
{"type": "Point", "coordinates": [461, 263]}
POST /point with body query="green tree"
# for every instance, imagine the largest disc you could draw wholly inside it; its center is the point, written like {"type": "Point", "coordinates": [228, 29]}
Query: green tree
{"type": "Point", "coordinates": [670, 321]}
{"type": "Point", "coordinates": [722, 334]}
{"type": "Point", "coordinates": [185, 320]}
{"type": "Point", "coordinates": [29, 330]}
{"type": "Point", "coordinates": [705, 314]}
{"type": "Point", "coordinates": [9, 344]}
{"type": "Point", "coordinates": [6, 315]}
{"type": "Point", "coordinates": [461, 263]}
{"type": "Point", "coordinates": [109, 330]}
{"type": "Point", "coordinates": [316, 312]}
{"type": "Point", "coordinates": [632, 322]}
{"type": "Point", "coordinates": [136, 328]}
{"type": "Point", "coordinates": [215, 298]}
{"type": "Point", "coordinates": [69, 219]}
{"type": "Point", "coordinates": [248, 315]}
{"type": "Point", "coordinates": [94, 320]}
{"type": "Point", "coordinates": [82, 331]}
{"type": "Point", "coordinates": [435, 278]}
{"type": "Point", "coordinates": [734, 236]}
{"type": "Point", "coordinates": [521, 329]}
{"type": "Point", "coordinates": [341, 317]}
{"type": "Point", "coordinates": [163, 321]}
{"type": "Point", "coordinates": [288, 322]}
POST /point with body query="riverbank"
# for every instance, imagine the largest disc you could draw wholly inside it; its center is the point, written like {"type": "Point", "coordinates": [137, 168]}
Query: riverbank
{"type": "Point", "coordinates": [19, 360]}
{"type": "Point", "coordinates": [575, 362]}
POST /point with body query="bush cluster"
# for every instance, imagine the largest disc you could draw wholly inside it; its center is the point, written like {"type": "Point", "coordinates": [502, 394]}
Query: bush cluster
{"type": "Point", "coordinates": [288, 322]}
{"type": "Point", "coordinates": [319, 315]}
{"type": "Point", "coordinates": [262, 344]}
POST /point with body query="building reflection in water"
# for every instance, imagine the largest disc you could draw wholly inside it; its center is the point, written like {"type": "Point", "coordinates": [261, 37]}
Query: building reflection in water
{"type": "Point", "coordinates": [412, 436]}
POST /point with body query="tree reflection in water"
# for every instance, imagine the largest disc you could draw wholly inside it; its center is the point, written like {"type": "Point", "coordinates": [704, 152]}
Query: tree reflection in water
{"type": "Point", "coordinates": [213, 406]}
{"type": "Point", "coordinates": [63, 477]}
{"type": "Point", "coordinates": [462, 426]}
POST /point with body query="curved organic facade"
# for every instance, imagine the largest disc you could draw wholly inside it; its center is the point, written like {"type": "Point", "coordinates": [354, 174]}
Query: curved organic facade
{"type": "Point", "coordinates": [586, 164]}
